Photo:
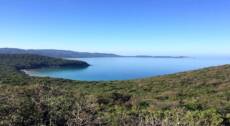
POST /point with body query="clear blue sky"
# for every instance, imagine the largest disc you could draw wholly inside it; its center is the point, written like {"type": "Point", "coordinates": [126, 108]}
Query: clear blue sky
{"type": "Point", "coordinates": [130, 27]}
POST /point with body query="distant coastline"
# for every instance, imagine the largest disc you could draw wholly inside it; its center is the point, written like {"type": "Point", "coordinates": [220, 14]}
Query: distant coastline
{"type": "Point", "coordinates": [146, 56]}
{"type": "Point", "coordinates": [72, 54]}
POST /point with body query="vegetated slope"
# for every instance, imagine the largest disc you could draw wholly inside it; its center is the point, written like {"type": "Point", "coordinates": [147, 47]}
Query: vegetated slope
{"type": "Point", "coordinates": [26, 61]}
{"type": "Point", "coordinates": [196, 98]}
{"type": "Point", "coordinates": [55, 53]}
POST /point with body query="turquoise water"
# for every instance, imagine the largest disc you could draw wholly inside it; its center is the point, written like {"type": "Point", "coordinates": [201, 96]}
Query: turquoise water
{"type": "Point", "coordinates": [128, 68]}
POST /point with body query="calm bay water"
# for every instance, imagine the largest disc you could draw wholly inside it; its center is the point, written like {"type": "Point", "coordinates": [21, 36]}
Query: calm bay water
{"type": "Point", "coordinates": [128, 68]}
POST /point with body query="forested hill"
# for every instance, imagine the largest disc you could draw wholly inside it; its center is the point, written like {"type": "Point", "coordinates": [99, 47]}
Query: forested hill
{"type": "Point", "coordinates": [26, 61]}
{"type": "Point", "coordinates": [55, 53]}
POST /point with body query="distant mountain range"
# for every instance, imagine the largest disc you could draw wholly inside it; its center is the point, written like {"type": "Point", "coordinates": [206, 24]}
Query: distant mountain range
{"type": "Point", "coordinates": [55, 53]}
{"type": "Point", "coordinates": [146, 56]}
{"type": "Point", "coordinates": [71, 54]}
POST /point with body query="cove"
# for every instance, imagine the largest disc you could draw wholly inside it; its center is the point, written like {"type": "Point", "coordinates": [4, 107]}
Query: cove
{"type": "Point", "coordinates": [127, 68]}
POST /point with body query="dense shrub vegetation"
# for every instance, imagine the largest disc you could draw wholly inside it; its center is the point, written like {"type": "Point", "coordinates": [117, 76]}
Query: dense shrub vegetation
{"type": "Point", "coordinates": [197, 98]}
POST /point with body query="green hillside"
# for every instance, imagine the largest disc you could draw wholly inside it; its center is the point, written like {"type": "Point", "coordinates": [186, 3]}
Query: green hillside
{"type": "Point", "coordinates": [196, 98]}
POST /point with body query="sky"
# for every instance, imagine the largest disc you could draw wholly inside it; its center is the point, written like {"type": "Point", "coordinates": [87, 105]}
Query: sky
{"type": "Point", "coordinates": [127, 27]}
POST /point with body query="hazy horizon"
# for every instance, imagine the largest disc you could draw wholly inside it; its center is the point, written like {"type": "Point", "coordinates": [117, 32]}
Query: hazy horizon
{"type": "Point", "coordinates": [124, 27]}
{"type": "Point", "coordinates": [188, 56]}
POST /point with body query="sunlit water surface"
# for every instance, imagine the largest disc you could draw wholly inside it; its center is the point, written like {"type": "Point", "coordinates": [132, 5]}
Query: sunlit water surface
{"type": "Point", "coordinates": [128, 68]}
